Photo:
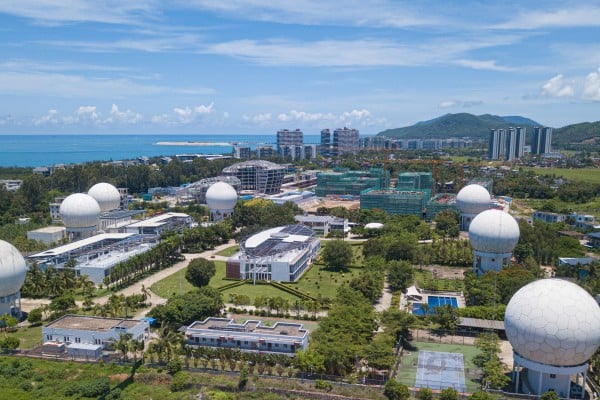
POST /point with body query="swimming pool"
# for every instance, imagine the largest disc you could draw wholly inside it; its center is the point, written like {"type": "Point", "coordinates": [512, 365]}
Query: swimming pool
{"type": "Point", "coordinates": [432, 302]}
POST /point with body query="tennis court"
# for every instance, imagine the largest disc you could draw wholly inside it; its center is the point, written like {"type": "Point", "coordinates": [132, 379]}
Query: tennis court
{"type": "Point", "coordinates": [439, 370]}
{"type": "Point", "coordinates": [409, 371]}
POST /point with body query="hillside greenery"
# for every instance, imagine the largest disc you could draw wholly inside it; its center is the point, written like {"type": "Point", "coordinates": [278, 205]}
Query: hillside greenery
{"type": "Point", "coordinates": [457, 125]}
{"type": "Point", "coordinates": [582, 133]}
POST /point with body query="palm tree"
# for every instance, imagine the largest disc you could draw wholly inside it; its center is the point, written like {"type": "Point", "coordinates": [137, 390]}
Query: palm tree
{"type": "Point", "coordinates": [123, 344]}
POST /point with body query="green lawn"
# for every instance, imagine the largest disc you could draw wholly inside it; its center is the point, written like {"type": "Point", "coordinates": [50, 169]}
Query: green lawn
{"type": "Point", "coordinates": [171, 284]}
{"type": "Point", "coordinates": [253, 291]}
{"type": "Point", "coordinates": [317, 280]}
{"type": "Point", "coordinates": [408, 370]}
{"type": "Point", "coordinates": [29, 337]}
{"type": "Point", "coordinates": [587, 175]}
{"type": "Point", "coordinates": [228, 251]}
{"type": "Point", "coordinates": [426, 281]}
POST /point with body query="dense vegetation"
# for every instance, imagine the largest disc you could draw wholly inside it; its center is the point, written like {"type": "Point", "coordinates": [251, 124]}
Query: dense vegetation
{"type": "Point", "coordinates": [457, 125]}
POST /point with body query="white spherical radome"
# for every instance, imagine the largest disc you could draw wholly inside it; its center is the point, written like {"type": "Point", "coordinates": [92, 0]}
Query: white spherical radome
{"type": "Point", "coordinates": [473, 199]}
{"type": "Point", "coordinates": [494, 231]}
{"type": "Point", "coordinates": [107, 196]}
{"type": "Point", "coordinates": [221, 196]}
{"type": "Point", "coordinates": [79, 210]}
{"type": "Point", "coordinates": [553, 322]}
{"type": "Point", "coordinates": [12, 269]}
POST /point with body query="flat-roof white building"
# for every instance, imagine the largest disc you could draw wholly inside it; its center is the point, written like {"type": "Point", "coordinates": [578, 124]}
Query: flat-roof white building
{"type": "Point", "coordinates": [83, 336]}
{"type": "Point", "coordinates": [283, 337]}
{"type": "Point", "coordinates": [158, 224]}
{"type": "Point", "coordinates": [48, 234]}
{"type": "Point", "coordinates": [279, 254]}
{"type": "Point", "coordinates": [97, 255]}
{"type": "Point", "coordinates": [324, 224]}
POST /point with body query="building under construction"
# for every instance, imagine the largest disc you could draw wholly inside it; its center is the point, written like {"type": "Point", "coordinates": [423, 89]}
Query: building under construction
{"type": "Point", "coordinates": [351, 183]}
{"type": "Point", "coordinates": [439, 203]}
{"type": "Point", "coordinates": [260, 176]}
{"type": "Point", "coordinates": [402, 202]}
{"type": "Point", "coordinates": [415, 181]}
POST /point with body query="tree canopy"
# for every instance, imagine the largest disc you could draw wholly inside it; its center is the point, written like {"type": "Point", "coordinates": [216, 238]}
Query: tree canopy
{"type": "Point", "coordinates": [200, 271]}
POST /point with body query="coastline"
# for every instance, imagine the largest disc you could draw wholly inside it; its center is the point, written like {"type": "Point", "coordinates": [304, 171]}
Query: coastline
{"type": "Point", "coordinates": [194, 144]}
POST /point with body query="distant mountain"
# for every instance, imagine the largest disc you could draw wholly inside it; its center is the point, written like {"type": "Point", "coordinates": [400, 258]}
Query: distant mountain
{"type": "Point", "coordinates": [520, 121]}
{"type": "Point", "coordinates": [585, 132]}
{"type": "Point", "coordinates": [458, 125]}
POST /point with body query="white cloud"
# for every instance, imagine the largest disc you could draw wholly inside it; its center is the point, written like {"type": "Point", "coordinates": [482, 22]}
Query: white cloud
{"type": "Point", "coordinates": [87, 112]}
{"type": "Point", "coordinates": [490, 65]}
{"type": "Point", "coordinates": [54, 12]}
{"type": "Point", "coordinates": [375, 13]}
{"type": "Point", "coordinates": [558, 87]}
{"type": "Point", "coordinates": [459, 103]}
{"type": "Point", "coordinates": [581, 16]}
{"type": "Point", "coordinates": [128, 116]}
{"type": "Point", "coordinates": [187, 114]}
{"type": "Point", "coordinates": [52, 117]}
{"type": "Point", "coordinates": [591, 86]}
{"type": "Point", "coordinates": [448, 104]}
{"type": "Point", "coordinates": [265, 117]}
{"type": "Point", "coordinates": [362, 52]}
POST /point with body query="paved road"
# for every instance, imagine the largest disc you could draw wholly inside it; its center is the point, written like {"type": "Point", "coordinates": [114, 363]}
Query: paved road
{"type": "Point", "coordinates": [136, 288]}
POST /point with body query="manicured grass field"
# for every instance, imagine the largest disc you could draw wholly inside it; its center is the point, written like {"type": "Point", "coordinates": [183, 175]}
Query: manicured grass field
{"type": "Point", "coordinates": [229, 251]}
{"type": "Point", "coordinates": [316, 281]}
{"type": "Point", "coordinates": [253, 291]}
{"type": "Point", "coordinates": [408, 368]}
{"type": "Point", "coordinates": [171, 284]}
{"type": "Point", "coordinates": [588, 175]}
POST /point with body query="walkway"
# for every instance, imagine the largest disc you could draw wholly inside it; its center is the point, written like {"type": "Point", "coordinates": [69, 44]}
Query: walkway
{"type": "Point", "coordinates": [136, 288]}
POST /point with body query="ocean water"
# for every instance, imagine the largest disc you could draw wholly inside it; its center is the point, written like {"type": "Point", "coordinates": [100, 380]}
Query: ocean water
{"type": "Point", "coordinates": [44, 150]}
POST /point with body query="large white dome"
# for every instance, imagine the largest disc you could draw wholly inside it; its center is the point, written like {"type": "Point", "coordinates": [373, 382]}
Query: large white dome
{"type": "Point", "coordinates": [494, 231]}
{"type": "Point", "coordinates": [553, 322]}
{"type": "Point", "coordinates": [12, 269]}
{"type": "Point", "coordinates": [106, 195]}
{"type": "Point", "coordinates": [221, 196]}
{"type": "Point", "coordinates": [79, 210]}
{"type": "Point", "coordinates": [473, 199]}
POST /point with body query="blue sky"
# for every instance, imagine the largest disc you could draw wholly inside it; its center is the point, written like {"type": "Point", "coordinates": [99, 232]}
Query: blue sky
{"type": "Point", "coordinates": [251, 66]}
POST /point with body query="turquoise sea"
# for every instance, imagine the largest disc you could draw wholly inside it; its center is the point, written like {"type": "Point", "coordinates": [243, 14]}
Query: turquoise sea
{"type": "Point", "coordinates": [43, 150]}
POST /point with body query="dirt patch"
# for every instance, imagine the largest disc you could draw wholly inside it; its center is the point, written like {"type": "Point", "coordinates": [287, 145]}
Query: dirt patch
{"type": "Point", "coordinates": [118, 377]}
{"type": "Point", "coordinates": [444, 272]}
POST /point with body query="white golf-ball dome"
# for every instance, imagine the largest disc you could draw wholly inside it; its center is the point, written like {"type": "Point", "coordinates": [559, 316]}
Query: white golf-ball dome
{"type": "Point", "coordinates": [221, 196]}
{"type": "Point", "coordinates": [107, 196]}
{"type": "Point", "coordinates": [473, 199]}
{"type": "Point", "coordinates": [494, 231]}
{"type": "Point", "coordinates": [553, 322]}
{"type": "Point", "coordinates": [12, 269]}
{"type": "Point", "coordinates": [79, 210]}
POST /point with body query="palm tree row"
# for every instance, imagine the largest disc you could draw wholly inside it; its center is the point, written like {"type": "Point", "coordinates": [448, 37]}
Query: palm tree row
{"type": "Point", "coordinates": [53, 282]}
{"type": "Point", "coordinates": [163, 255]}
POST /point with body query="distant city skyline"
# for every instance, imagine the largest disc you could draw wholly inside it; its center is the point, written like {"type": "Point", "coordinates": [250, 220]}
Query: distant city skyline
{"type": "Point", "coordinates": [256, 67]}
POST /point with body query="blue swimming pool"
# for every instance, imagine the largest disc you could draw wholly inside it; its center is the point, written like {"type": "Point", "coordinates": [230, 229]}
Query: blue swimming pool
{"type": "Point", "coordinates": [432, 302]}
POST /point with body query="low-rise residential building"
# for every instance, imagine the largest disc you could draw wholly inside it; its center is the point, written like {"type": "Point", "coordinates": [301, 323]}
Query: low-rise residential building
{"type": "Point", "coordinates": [549, 217]}
{"type": "Point", "coordinates": [283, 337]}
{"type": "Point", "coordinates": [86, 336]}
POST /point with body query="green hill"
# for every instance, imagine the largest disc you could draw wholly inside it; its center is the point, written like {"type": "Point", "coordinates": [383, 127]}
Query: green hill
{"type": "Point", "coordinates": [584, 133]}
{"type": "Point", "coordinates": [458, 125]}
